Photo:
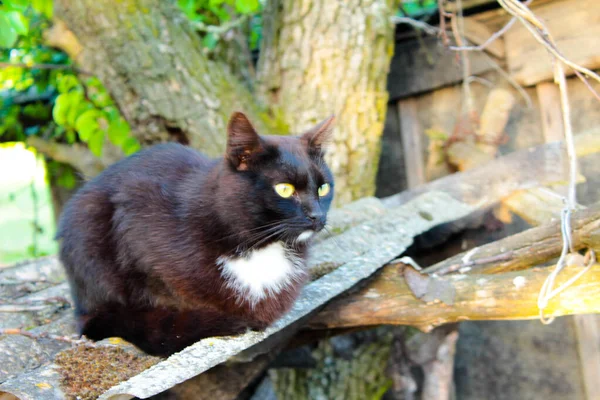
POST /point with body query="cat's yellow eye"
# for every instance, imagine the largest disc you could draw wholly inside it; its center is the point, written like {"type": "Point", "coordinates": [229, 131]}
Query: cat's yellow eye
{"type": "Point", "coordinates": [324, 189]}
{"type": "Point", "coordinates": [285, 190]}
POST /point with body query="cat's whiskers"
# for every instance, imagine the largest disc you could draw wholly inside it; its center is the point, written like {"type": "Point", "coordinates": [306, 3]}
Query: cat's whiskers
{"type": "Point", "coordinates": [332, 237]}
{"type": "Point", "coordinates": [270, 233]}
{"type": "Point", "coordinates": [260, 237]}
{"type": "Point", "coordinates": [258, 228]}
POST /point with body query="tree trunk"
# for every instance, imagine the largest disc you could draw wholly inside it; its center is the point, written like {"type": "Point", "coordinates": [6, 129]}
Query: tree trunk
{"type": "Point", "coordinates": [331, 57]}
{"type": "Point", "coordinates": [150, 59]}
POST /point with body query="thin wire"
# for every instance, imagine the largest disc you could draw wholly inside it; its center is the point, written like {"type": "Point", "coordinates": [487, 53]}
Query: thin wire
{"type": "Point", "coordinates": [541, 34]}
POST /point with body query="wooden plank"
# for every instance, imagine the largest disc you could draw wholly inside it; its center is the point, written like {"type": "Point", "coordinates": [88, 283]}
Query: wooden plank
{"type": "Point", "coordinates": [587, 327]}
{"type": "Point", "coordinates": [388, 300]}
{"type": "Point", "coordinates": [552, 123]}
{"type": "Point", "coordinates": [478, 33]}
{"type": "Point", "coordinates": [421, 66]}
{"type": "Point", "coordinates": [411, 142]}
{"type": "Point", "coordinates": [575, 26]}
{"type": "Point", "coordinates": [588, 335]}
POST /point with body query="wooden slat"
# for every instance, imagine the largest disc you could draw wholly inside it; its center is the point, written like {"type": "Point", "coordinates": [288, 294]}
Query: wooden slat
{"type": "Point", "coordinates": [478, 33]}
{"type": "Point", "coordinates": [419, 66]}
{"type": "Point", "coordinates": [575, 26]}
{"type": "Point", "coordinates": [588, 335]}
{"type": "Point", "coordinates": [411, 142]}
{"type": "Point", "coordinates": [552, 123]}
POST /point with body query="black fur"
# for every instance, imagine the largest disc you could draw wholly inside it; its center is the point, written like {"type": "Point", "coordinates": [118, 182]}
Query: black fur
{"type": "Point", "coordinates": [140, 241]}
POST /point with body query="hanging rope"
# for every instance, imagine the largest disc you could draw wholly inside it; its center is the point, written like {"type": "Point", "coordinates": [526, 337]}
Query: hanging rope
{"type": "Point", "coordinates": [568, 254]}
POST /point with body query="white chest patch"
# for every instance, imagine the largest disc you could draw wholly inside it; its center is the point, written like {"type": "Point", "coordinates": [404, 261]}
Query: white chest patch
{"type": "Point", "coordinates": [261, 272]}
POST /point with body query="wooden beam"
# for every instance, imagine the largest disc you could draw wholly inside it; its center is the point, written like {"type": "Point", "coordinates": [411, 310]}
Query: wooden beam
{"type": "Point", "coordinates": [575, 28]}
{"type": "Point", "coordinates": [486, 185]}
{"type": "Point", "coordinates": [423, 65]}
{"type": "Point", "coordinates": [526, 249]}
{"type": "Point", "coordinates": [387, 300]}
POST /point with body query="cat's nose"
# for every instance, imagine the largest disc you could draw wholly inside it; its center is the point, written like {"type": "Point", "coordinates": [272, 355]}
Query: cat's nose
{"type": "Point", "coordinates": [317, 219]}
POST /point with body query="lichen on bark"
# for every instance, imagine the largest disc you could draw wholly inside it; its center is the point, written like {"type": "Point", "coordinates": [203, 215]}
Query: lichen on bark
{"type": "Point", "coordinates": [330, 57]}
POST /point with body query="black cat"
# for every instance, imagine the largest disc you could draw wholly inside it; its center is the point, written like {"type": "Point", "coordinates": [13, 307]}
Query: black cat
{"type": "Point", "coordinates": [167, 246]}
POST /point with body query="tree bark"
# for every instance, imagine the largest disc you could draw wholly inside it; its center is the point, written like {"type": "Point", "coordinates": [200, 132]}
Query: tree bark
{"type": "Point", "coordinates": [331, 57]}
{"type": "Point", "coordinates": [526, 249]}
{"type": "Point", "coordinates": [387, 300]}
{"type": "Point", "coordinates": [150, 59]}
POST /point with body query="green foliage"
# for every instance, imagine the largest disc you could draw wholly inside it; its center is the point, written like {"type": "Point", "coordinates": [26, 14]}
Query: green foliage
{"type": "Point", "coordinates": [51, 101]}
{"type": "Point", "coordinates": [87, 109]}
{"type": "Point", "coordinates": [219, 13]}
{"type": "Point", "coordinates": [417, 8]}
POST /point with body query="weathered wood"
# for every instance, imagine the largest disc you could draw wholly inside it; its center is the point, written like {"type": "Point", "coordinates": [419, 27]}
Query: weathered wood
{"type": "Point", "coordinates": [574, 26]}
{"type": "Point", "coordinates": [536, 206]}
{"type": "Point", "coordinates": [419, 66]}
{"type": "Point", "coordinates": [552, 123]}
{"type": "Point", "coordinates": [526, 249]}
{"type": "Point", "coordinates": [411, 142]}
{"type": "Point", "coordinates": [587, 328]}
{"type": "Point", "coordinates": [510, 295]}
{"type": "Point", "coordinates": [542, 165]}
{"type": "Point", "coordinates": [479, 33]}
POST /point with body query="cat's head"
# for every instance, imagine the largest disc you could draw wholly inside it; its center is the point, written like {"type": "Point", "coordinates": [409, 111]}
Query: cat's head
{"type": "Point", "coordinates": [284, 187]}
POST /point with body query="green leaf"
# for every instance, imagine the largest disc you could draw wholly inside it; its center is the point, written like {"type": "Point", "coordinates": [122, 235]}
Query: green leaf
{"type": "Point", "coordinates": [118, 131]}
{"type": "Point", "coordinates": [61, 108]}
{"type": "Point", "coordinates": [43, 6]}
{"type": "Point", "coordinates": [8, 34]}
{"type": "Point", "coordinates": [70, 136]}
{"type": "Point", "coordinates": [67, 178]}
{"type": "Point", "coordinates": [77, 105]}
{"type": "Point", "coordinates": [67, 82]}
{"type": "Point", "coordinates": [254, 39]}
{"type": "Point", "coordinates": [15, 5]}
{"type": "Point", "coordinates": [188, 7]}
{"type": "Point", "coordinates": [101, 99]}
{"type": "Point", "coordinates": [95, 142]}
{"type": "Point", "coordinates": [87, 124]}
{"type": "Point", "coordinates": [19, 23]}
{"type": "Point", "coordinates": [247, 6]}
{"type": "Point", "coordinates": [130, 146]}
{"type": "Point", "coordinates": [210, 41]}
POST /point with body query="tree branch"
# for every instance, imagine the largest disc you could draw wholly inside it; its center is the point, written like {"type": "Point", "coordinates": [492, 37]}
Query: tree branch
{"type": "Point", "coordinates": [221, 29]}
{"type": "Point", "coordinates": [511, 295]}
{"type": "Point", "coordinates": [77, 155]}
{"type": "Point", "coordinates": [525, 249]}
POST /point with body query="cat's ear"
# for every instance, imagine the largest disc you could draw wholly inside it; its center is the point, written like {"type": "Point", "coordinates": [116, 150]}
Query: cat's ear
{"type": "Point", "coordinates": [242, 141]}
{"type": "Point", "coordinates": [318, 136]}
